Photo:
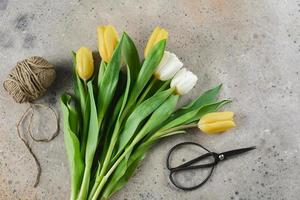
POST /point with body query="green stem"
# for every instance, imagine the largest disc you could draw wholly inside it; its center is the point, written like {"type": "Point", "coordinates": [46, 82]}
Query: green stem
{"type": "Point", "coordinates": [83, 103]}
{"type": "Point", "coordinates": [164, 86]}
{"type": "Point", "coordinates": [87, 172]}
{"type": "Point", "coordinates": [107, 159]}
{"type": "Point", "coordinates": [105, 178]}
{"type": "Point", "coordinates": [85, 183]}
{"type": "Point", "coordinates": [182, 127]}
{"type": "Point", "coordinates": [115, 165]}
{"type": "Point", "coordinates": [146, 91]}
{"type": "Point", "coordinates": [84, 134]}
{"type": "Point", "coordinates": [177, 128]}
{"type": "Point", "coordinates": [132, 99]}
{"type": "Point", "coordinates": [73, 194]}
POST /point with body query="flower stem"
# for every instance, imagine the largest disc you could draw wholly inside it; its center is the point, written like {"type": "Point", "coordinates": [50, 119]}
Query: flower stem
{"type": "Point", "coordinates": [115, 165]}
{"type": "Point", "coordinates": [174, 129]}
{"type": "Point", "coordinates": [107, 158]}
{"type": "Point", "coordinates": [105, 178]}
{"type": "Point", "coordinates": [85, 183]}
{"type": "Point", "coordinates": [147, 90]}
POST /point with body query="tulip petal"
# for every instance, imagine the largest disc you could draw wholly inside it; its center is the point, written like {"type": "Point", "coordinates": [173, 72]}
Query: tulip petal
{"type": "Point", "coordinates": [184, 81]}
{"type": "Point", "coordinates": [151, 40]}
{"type": "Point", "coordinates": [161, 65]}
{"type": "Point", "coordinates": [163, 34]}
{"type": "Point", "coordinates": [170, 68]}
{"type": "Point", "coordinates": [177, 78]}
{"type": "Point", "coordinates": [111, 40]}
{"type": "Point", "coordinates": [216, 127]}
{"type": "Point", "coordinates": [217, 116]}
{"type": "Point", "coordinates": [101, 43]}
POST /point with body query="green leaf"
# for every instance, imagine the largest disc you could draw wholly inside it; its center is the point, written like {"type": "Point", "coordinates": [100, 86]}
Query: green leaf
{"type": "Point", "coordinates": [191, 109]}
{"type": "Point", "coordinates": [147, 70]}
{"type": "Point", "coordinates": [73, 116]}
{"type": "Point", "coordinates": [159, 116]}
{"type": "Point", "coordinates": [74, 75]}
{"type": "Point", "coordinates": [207, 109]}
{"type": "Point", "coordinates": [121, 105]}
{"type": "Point", "coordinates": [101, 72]}
{"type": "Point", "coordinates": [92, 139]}
{"type": "Point", "coordinates": [92, 143]}
{"type": "Point", "coordinates": [115, 135]}
{"type": "Point", "coordinates": [131, 57]}
{"type": "Point", "coordinates": [109, 81]}
{"type": "Point", "coordinates": [124, 97]}
{"type": "Point", "coordinates": [139, 114]}
{"type": "Point", "coordinates": [207, 97]}
{"type": "Point", "coordinates": [126, 93]}
{"type": "Point", "coordinates": [85, 124]}
{"type": "Point", "coordinates": [72, 146]}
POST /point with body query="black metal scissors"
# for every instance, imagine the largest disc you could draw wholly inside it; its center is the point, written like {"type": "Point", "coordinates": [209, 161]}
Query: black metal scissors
{"type": "Point", "coordinates": [191, 164]}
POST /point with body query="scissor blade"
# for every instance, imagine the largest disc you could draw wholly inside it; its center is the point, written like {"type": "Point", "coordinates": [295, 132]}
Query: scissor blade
{"type": "Point", "coordinates": [237, 151]}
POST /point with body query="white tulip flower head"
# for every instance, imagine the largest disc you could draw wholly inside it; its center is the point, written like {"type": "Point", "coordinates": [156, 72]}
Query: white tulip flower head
{"type": "Point", "coordinates": [168, 66]}
{"type": "Point", "coordinates": [184, 81]}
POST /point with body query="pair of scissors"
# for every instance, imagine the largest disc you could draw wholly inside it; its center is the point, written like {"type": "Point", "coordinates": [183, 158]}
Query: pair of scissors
{"type": "Point", "coordinates": [191, 164]}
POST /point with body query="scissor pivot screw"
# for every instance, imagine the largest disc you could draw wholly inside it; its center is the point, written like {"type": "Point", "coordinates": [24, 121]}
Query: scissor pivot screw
{"type": "Point", "coordinates": [221, 157]}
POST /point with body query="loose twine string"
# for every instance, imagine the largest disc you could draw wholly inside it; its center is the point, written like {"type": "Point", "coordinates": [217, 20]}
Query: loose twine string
{"type": "Point", "coordinates": [27, 81]}
{"type": "Point", "coordinates": [29, 131]}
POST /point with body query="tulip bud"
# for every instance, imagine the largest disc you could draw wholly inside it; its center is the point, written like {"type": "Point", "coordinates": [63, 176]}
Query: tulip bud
{"type": "Point", "coordinates": [216, 122]}
{"type": "Point", "coordinates": [84, 63]}
{"type": "Point", "coordinates": [107, 41]}
{"type": "Point", "coordinates": [183, 81]}
{"type": "Point", "coordinates": [157, 35]}
{"type": "Point", "coordinates": [168, 66]}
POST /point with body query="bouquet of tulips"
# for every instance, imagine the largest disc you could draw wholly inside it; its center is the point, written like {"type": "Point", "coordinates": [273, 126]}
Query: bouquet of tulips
{"type": "Point", "coordinates": [119, 110]}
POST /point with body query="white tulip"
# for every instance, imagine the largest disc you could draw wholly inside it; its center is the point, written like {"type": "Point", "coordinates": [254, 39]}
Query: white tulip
{"type": "Point", "coordinates": [184, 81]}
{"type": "Point", "coordinates": [168, 66]}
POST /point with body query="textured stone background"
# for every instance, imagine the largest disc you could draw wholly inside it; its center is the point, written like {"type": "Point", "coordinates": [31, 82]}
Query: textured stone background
{"type": "Point", "coordinates": [252, 47]}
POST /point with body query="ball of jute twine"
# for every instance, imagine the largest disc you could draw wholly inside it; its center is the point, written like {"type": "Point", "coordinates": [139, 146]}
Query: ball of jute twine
{"type": "Point", "coordinates": [28, 81]}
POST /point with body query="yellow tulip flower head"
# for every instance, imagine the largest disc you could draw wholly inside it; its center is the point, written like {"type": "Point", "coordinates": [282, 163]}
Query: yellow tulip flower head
{"type": "Point", "coordinates": [157, 35]}
{"type": "Point", "coordinates": [84, 63]}
{"type": "Point", "coordinates": [107, 41]}
{"type": "Point", "coordinates": [216, 122]}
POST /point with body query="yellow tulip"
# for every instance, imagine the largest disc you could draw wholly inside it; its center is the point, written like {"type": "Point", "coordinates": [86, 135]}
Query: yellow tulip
{"type": "Point", "coordinates": [84, 63]}
{"type": "Point", "coordinates": [216, 122]}
{"type": "Point", "coordinates": [107, 41]}
{"type": "Point", "coordinates": [157, 35]}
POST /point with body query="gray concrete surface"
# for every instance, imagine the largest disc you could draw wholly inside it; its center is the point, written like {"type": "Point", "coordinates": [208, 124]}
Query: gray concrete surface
{"type": "Point", "coordinates": [252, 47]}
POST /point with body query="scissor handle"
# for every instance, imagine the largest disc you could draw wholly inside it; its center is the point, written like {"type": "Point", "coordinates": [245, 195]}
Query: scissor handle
{"type": "Point", "coordinates": [189, 165]}
{"type": "Point", "coordinates": [189, 162]}
{"type": "Point", "coordinates": [171, 177]}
